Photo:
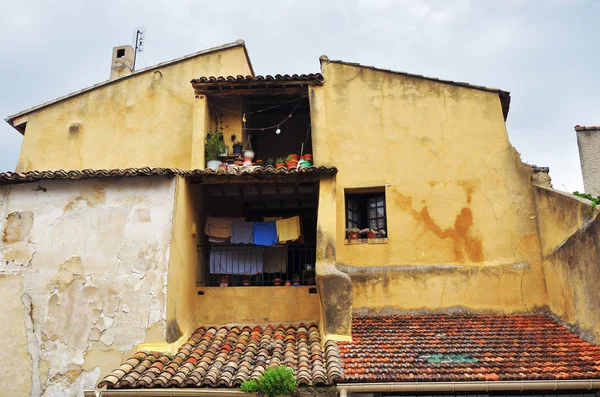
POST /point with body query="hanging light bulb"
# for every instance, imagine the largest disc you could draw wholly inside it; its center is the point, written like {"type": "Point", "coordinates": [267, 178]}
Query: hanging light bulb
{"type": "Point", "coordinates": [278, 131]}
{"type": "Point", "coordinates": [244, 118]}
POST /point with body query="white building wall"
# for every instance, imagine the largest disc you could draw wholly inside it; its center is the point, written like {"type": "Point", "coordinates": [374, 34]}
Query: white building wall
{"type": "Point", "coordinates": [83, 278]}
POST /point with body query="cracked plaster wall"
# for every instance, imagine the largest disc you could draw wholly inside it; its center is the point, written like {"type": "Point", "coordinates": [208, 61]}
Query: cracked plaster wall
{"type": "Point", "coordinates": [570, 237]}
{"type": "Point", "coordinates": [457, 193]}
{"type": "Point", "coordinates": [87, 261]}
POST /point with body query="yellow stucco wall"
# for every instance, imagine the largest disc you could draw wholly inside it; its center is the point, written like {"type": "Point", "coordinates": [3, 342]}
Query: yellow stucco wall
{"type": "Point", "coordinates": [457, 193]}
{"type": "Point", "coordinates": [256, 305]}
{"type": "Point", "coordinates": [142, 121]}
{"type": "Point", "coordinates": [570, 232]}
{"type": "Point", "coordinates": [183, 263]}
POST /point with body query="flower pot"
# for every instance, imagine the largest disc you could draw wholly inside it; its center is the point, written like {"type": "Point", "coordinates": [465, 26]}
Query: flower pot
{"type": "Point", "coordinates": [224, 282]}
{"type": "Point", "coordinates": [222, 166]}
{"type": "Point", "coordinates": [246, 282]}
{"type": "Point", "coordinates": [270, 164]}
{"type": "Point", "coordinates": [291, 164]}
{"type": "Point", "coordinates": [247, 163]}
{"type": "Point", "coordinates": [353, 235]}
{"type": "Point", "coordinates": [294, 157]}
{"type": "Point", "coordinates": [288, 283]}
{"type": "Point", "coordinates": [213, 164]}
{"type": "Point", "coordinates": [249, 154]}
{"type": "Point", "coordinates": [370, 235]}
{"type": "Point", "coordinates": [279, 165]}
{"type": "Point", "coordinates": [277, 281]}
{"type": "Point", "coordinates": [304, 163]}
{"type": "Point", "coordinates": [238, 162]}
{"type": "Point", "coordinates": [308, 157]}
{"type": "Point", "coordinates": [296, 281]}
{"type": "Point", "coordinates": [237, 149]}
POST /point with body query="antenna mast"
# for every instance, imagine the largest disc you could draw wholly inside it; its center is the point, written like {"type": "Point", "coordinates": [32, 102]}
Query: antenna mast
{"type": "Point", "coordinates": [140, 38]}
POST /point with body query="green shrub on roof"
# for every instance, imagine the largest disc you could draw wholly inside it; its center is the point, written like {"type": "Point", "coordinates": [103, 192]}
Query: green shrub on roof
{"type": "Point", "coordinates": [274, 381]}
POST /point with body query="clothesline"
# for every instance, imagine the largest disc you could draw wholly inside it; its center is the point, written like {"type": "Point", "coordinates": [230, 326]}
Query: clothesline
{"type": "Point", "coordinates": [269, 232]}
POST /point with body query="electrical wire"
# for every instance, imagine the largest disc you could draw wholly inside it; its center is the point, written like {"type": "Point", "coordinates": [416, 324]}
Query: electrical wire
{"type": "Point", "coordinates": [260, 110]}
{"type": "Point", "coordinates": [278, 124]}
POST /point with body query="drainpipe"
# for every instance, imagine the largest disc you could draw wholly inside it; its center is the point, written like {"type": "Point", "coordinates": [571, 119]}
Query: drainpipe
{"type": "Point", "coordinates": [159, 392]}
{"type": "Point", "coordinates": [400, 387]}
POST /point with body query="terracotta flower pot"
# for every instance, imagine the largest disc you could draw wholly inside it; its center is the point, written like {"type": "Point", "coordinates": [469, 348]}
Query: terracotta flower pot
{"type": "Point", "coordinates": [246, 282]}
{"type": "Point", "coordinates": [308, 157]}
{"type": "Point", "coordinates": [238, 162]}
{"type": "Point", "coordinates": [370, 235]}
{"type": "Point", "coordinates": [291, 164]}
{"type": "Point", "coordinates": [288, 283]}
{"type": "Point", "coordinates": [224, 282]}
{"type": "Point", "coordinates": [279, 165]}
{"type": "Point", "coordinates": [277, 281]}
{"type": "Point", "coordinates": [294, 157]}
{"type": "Point", "coordinates": [353, 235]}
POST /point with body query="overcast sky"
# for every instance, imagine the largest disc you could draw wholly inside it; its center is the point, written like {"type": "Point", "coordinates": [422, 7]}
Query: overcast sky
{"type": "Point", "coordinates": [546, 53]}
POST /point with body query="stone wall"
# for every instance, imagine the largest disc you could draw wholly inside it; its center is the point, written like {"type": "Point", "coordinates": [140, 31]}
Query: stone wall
{"type": "Point", "coordinates": [83, 278]}
{"type": "Point", "coordinates": [588, 141]}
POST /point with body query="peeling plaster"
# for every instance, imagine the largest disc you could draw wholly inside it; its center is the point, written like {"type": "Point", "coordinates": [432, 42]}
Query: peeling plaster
{"type": "Point", "coordinates": [93, 257]}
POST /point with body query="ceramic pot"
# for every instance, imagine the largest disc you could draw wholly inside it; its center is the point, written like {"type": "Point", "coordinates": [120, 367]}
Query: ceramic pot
{"type": "Point", "coordinates": [277, 281]}
{"type": "Point", "coordinates": [279, 165]}
{"type": "Point", "coordinates": [353, 235]}
{"type": "Point", "coordinates": [249, 154]}
{"type": "Point", "coordinates": [294, 157]}
{"type": "Point", "coordinates": [291, 164]}
{"type": "Point", "coordinates": [237, 149]}
{"type": "Point", "coordinates": [370, 235]}
{"type": "Point", "coordinates": [213, 164]}
{"type": "Point", "coordinates": [308, 157]}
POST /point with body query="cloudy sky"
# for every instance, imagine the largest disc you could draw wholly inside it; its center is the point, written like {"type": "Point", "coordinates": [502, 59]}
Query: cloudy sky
{"type": "Point", "coordinates": [546, 53]}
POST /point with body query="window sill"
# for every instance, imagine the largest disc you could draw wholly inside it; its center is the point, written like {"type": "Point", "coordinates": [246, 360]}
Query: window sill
{"type": "Point", "coordinates": [356, 241]}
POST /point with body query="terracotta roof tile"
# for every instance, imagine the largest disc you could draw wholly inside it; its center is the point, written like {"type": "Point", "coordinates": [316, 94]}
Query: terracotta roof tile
{"type": "Point", "coordinates": [465, 348]}
{"type": "Point", "coordinates": [312, 78]}
{"type": "Point", "coordinates": [198, 175]}
{"type": "Point", "coordinates": [587, 128]}
{"type": "Point", "coordinates": [230, 355]}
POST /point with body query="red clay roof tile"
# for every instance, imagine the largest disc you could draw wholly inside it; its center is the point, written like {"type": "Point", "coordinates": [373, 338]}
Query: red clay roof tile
{"type": "Point", "coordinates": [465, 348]}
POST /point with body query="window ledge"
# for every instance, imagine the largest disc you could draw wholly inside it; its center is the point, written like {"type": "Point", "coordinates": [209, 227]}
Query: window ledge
{"type": "Point", "coordinates": [356, 241]}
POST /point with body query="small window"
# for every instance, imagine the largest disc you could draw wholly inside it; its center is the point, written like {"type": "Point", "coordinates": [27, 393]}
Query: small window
{"type": "Point", "coordinates": [365, 209]}
{"type": "Point", "coordinates": [120, 53]}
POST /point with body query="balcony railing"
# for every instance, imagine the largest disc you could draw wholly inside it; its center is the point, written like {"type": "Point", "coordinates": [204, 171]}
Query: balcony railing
{"type": "Point", "coordinates": [236, 265]}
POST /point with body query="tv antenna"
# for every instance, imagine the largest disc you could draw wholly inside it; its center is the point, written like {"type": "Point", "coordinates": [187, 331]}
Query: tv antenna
{"type": "Point", "coordinates": [140, 39]}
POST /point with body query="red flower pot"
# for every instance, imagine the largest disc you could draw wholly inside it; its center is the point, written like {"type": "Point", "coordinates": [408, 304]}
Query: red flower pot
{"type": "Point", "coordinates": [370, 235]}
{"type": "Point", "coordinates": [353, 235]}
{"type": "Point", "coordinates": [291, 164]}
{"type": "Point", "coordinates": [294, 157]}
{"type": "Point", "coordinates": [279, 165]}
{"type": "Point", "coordinates": [277, 281]}
{"type": "Point", "coordinates": [308, 157]}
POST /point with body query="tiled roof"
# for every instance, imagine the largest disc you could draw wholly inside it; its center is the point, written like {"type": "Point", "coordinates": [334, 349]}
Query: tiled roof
{"type": "Point", "coordinates": [504, 95]}
{"type": "Point", "coordinates": [465, 348]}
{"type": "Point", "coordinates": [587, 128]}
{"type": "Point", "coordinates": [314, 78]}
{"type": "Point", "coordinates": [232, 173]}
{"type": "Point", "coordinates": [228, 356]}
{"type": "Point", "coordinates": [236, 43]}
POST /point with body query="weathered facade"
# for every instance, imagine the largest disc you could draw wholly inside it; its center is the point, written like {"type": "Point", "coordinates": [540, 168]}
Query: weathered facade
{"type": "Point", "coordinates": [110, 257]}
{"type": "Point", "coordinates": [588, 141]}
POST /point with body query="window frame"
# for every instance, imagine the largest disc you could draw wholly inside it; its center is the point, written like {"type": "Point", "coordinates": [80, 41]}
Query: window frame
{"type": "Point", "coordinates": [361, 197]}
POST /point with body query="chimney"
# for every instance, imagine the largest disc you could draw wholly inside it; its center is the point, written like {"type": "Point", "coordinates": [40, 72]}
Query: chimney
{"type": "Point", "coordinates": [588, 140]}
{"type": "Point", "coordinates": [122, 61]}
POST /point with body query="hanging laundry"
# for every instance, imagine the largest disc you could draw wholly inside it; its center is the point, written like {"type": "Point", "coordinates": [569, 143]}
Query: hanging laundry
{"type": "Point", "coordinates": [236, 260]}
{"type": "Point", "coordinates": [288, 229]}
{"type": "Point", "coordinates": [242, 232]}
{"type": "Point", "coordinates": [218, 227]}
{"type": "Point", "coordinates": [275, 259]}
{"type": "Point", "coordinates": [265, 233]}
{"type": "Point", "coordinates": [218, 240]}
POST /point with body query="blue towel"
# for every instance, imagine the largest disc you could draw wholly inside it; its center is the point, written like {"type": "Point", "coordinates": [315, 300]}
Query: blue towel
{"type": "Point", "coordinates": [265, 233]}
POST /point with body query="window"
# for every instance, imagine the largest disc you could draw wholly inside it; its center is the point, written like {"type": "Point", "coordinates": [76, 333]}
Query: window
{"type": "Point", "coordinates": [365, 208]}
{"type": "Point", "coordinates": [120, 53]}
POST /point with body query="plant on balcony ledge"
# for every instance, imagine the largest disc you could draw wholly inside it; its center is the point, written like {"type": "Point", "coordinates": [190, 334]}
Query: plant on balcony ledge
{"type": "Point", "coordinates": [280, 162]}
{"type": "Point", "coordinates": [353, 233]}
{"type": "Point", "coordinates": [213, 148]}
{"type": "Point", "coordinates": [270, 162]}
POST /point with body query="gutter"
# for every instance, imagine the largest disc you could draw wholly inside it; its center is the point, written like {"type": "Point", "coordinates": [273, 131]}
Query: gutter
{"type": "Point", "coordinates": [553, 385]}
{"type": "Point", "coordinates": [163, 392]}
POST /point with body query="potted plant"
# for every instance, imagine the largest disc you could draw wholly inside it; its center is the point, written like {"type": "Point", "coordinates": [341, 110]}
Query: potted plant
{"type": "Point", "coordinates": [277, 281]}
{"type": "Point", "coordinates": [293, 156]}
{"type": "Point", "coordinates": [259, 163]}
{"type": "Point", "coordinates": [362, 233]}
{"type": "Point", "coordinates": [224, 280]}
{"type": "Point", "coordinates": [270, 162]}
{"type": "Point", "coordinates": [238, 161]}
{"type": "Point", "coordinates": [213, 148]}
{"type": "Point", "coordinates": [280, 162]}
{"type": "Point", "coordinates": [288, 283]}
{"type": "Point", "coordinates": [353, 233]}
{"type": "Point", "coordinates": [246, 279]}
{"type": "Point", "coordinates": [238, 147]}
{"type": "Point", "coordinates": [291, 162]}
{"type": "Point", "coordinates": [380, 234]}
{"type": "Point", "coordinates": [296, 280]}
{"type": "Point", "coordinates": [371, 233]}
{"type": "Point", "coordinates": [308, 157]}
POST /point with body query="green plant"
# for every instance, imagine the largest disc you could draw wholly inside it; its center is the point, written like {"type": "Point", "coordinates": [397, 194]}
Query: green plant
{"type": "Point", "coordinates": [238, 143]}
{"type": "Point", "coordinates": [289, 158]}
{"type": "Point", "coordinates": [280, 160]}
{"type": "Point", "coordinates": [273, 382]}
{"type": "Point", "coordinates": [595, 200]}
{"type": "Point", "coordinates": [214, 145]}
{"type": "Point", "coordinates": [270, 160]}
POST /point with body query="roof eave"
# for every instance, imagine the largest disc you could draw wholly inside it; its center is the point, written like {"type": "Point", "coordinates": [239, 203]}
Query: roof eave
{"type": "Point", "coordinates": [223, 47]}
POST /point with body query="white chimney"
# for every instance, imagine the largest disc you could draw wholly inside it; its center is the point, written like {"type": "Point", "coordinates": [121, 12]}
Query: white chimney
{"type": "Point", "coordinates": [122, 61]}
